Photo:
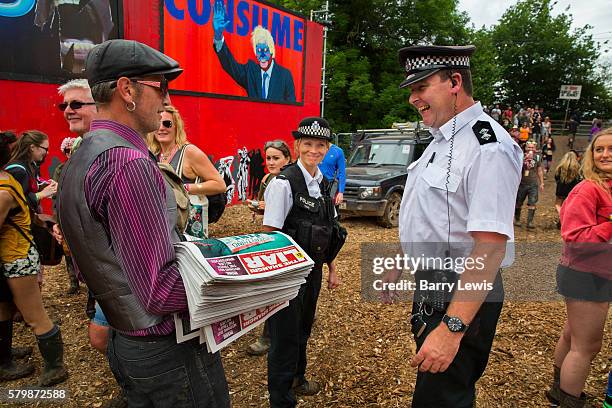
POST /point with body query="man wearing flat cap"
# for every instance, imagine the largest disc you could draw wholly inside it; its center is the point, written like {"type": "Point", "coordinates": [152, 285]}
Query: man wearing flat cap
{"type": "Point", "coordinates": [457, 206]}
{"type": "Point", "coordinates": [118, 217]}
{"type": "Point", "coordinates": [298, 203]}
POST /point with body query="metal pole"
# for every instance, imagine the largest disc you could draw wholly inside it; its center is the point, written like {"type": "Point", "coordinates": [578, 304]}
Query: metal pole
{"type": "Point", "coordinates": [323, 84]}
{"type": "Point", "coordinates": [565, 119]}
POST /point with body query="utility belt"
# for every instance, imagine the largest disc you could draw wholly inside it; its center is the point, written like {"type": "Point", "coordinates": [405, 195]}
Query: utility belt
{"type": "Point", "coordinates": [435, 288]}
{"type": "Point", "coordinates": [440, 285]}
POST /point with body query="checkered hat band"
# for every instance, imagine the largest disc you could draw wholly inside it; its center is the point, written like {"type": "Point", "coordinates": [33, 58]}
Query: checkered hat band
{"type": "Point", "coordinates": [314, 131]}
{"type": "Point", "coordinates": [432, 62]}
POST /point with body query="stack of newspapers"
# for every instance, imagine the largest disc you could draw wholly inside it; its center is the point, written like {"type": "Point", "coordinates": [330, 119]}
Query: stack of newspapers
{"type": "Point", "coordinates": [233, 284]}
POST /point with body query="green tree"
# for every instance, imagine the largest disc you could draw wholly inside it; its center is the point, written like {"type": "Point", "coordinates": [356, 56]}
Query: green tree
{"type": "Point", "coordinates": [363, 72]}
{"type": "Point", "coordinates": [537, 53]}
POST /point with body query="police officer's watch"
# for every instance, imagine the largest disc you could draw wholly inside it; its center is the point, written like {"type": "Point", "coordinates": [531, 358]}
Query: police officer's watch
{"type": "Point", "coordinates": [455, 324]}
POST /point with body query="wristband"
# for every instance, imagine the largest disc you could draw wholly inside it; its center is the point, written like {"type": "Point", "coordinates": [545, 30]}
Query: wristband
{"type": "Point", "coordinates": [186, 187]}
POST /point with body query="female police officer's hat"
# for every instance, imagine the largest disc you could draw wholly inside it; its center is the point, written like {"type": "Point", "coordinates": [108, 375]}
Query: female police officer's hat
{"type": "Point", "coordinates": [422, 61]}
{"type": "Point", "coordinates": [117, 58]}
{"type": "Point", "coordinates": [313, 127]}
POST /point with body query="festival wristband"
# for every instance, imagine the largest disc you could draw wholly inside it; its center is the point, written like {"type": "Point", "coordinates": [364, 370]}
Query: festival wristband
{"type": "Point", "coordinates": [187, 187]}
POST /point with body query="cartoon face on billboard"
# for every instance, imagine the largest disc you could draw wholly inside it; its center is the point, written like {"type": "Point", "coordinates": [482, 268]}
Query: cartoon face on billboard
{"type": "Point", "coordinates": [236, 48]}
{"type": "Point", "coordinates": [51, 38]}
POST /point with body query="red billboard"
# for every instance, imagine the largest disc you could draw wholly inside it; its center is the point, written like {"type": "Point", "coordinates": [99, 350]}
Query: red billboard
{"type": "Point", "coordinates": [227, 124]}
{"type": "Point", "coordinates": [244, 49]}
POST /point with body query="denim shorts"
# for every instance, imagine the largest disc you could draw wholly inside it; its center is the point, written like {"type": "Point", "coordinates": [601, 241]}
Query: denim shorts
{"type": "Point", "coordinates": [99, 317]}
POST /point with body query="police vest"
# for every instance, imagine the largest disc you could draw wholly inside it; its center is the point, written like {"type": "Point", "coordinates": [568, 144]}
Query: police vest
{"type": "Point", "coordinates": [310, 220]}
{"type": "Point", "coordinates": [89, 243]}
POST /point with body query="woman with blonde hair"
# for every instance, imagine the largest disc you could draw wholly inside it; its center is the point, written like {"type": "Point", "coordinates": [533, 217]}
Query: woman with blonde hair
{"type": "Point", "coordinates": [584, 277]}
{"type": "Point", "coordinates": [567, 175]}
{"type": "Point", "coordinates": [169, 143]}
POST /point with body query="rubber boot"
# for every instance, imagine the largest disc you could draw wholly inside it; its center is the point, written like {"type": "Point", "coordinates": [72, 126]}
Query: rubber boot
{"type": "Point", "coordinates": [51, 348]}
{"type": "Point", "coordinates": [517, 217]}
{"type": "Point", "coordinates": [553, 393]}
{"type": "Point", "coordinates": [9, 369]}
{"type": "Point", "coordinates": [569, 401]}
{"type": "Point", "coordinates": [530, 215]}
{"type": "Point", "coordinates": [21, 352]}
{"type": "Point", "coordinates": [74, 282]}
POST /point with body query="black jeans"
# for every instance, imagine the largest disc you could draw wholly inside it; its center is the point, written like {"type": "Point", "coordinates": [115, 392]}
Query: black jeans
{"type": "Point", "coordinates": [456, 387]}
{"type": "Point", "coordinates": [161, 373]}
{"type": "Point", "coordinates": [290, 329]}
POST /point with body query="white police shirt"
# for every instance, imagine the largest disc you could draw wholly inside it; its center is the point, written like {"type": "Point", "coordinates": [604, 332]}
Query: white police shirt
{"type": "Point", "coordinates": [279, 200]}
{"type": "Point", "coordinates": [482, 188]}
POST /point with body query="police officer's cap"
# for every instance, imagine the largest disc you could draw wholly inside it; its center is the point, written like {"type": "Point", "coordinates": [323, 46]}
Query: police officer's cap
{"type": "Point", "coordinates": [313, 127]}
{"type": "Point", "coordinates": [126, 58]}
{"type": "Point", "coordinates": [422, 61]}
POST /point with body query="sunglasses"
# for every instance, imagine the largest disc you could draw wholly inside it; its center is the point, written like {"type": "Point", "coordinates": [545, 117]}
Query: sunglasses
{"type": "Point", "coordinates": [276, 144]}
{"type": "Point", "coordinates": [161, 85]}
{"type": "Point", "coordinates": [166, 123]}
{"type": "Point", "coordinates": [74, 105]}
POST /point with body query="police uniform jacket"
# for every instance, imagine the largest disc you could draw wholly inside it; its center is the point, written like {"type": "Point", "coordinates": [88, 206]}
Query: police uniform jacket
{"type": "Point", "coordinates": [482, 184]}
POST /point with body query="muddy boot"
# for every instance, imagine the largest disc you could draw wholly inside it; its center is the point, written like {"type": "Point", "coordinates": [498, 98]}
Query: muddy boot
{"type": "Point", "coordinates": [52, 350]}
{"type": "Point", "coordinates": [305, 387]}
{"type": "Point", "coordinates": [530, 215]}
{"type": "Point", "coordinates": [569, 401]}
{"type": "Point", "coordinates": [260, 347]}
{"type": "Point", "coordinates": [553, 394]}
{"type": "Point", "coordinates": [9, 369]}
{"type": "Point", "coordinates": [517, 217]}
{"type": "Point", "coordinates": [21, 352]}
{"type": "Point", "coordinates": [74, 282]}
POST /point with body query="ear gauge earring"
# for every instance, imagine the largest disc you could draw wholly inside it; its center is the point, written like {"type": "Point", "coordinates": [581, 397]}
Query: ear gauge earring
{"type": "Point", "coordinates": [131, 107]}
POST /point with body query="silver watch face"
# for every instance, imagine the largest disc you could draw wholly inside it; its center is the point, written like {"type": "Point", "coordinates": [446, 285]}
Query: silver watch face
{"type": "Point", "coordinates": [455, 324]}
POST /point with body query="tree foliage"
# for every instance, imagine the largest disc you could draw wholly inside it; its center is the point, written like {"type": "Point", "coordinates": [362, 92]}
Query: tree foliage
{"type": "Point", "coordinates": [538, 53]}
{"type": "Point", "coordinates": [522, 60]}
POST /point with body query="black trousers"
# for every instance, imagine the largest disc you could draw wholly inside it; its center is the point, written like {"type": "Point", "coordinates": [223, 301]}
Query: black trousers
{"type": "Point", "coordinates": [290, 330]}
{"type": "Point", "coordinates": [456, 387]}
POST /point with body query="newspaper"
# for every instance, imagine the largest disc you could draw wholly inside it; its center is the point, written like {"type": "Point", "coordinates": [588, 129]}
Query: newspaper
{"type": "Point", "coordinates": [233, 284]}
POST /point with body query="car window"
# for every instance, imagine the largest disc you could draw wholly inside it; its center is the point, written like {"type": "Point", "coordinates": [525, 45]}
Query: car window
{"type": "Point", "coordinates": [381, 154]}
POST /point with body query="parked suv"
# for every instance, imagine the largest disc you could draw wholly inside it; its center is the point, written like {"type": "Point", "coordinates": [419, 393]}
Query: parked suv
{"type": "Point", "coordinates": [376, 171]}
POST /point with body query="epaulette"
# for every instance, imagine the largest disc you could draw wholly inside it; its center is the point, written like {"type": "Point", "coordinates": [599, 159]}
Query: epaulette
{"type": "Point", "coordinates": [282, 177]}
{"type": "Point", "coordinates": [484, 132]}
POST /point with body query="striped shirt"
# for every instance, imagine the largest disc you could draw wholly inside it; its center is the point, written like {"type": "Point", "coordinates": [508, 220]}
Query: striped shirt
{"type": "Point", "coordinates": [125, 192]}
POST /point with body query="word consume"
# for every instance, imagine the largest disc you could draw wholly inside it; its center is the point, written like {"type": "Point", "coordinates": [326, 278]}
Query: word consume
{"type": "Point", "coordinates": [244, 18]}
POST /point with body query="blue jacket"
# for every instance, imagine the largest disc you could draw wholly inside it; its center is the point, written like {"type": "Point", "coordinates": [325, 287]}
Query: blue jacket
{"type": "Point", "coordinates": [334, 165]}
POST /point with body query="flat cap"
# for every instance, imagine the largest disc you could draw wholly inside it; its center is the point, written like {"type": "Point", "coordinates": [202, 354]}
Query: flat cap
{"type": "Point", "coordinates": [116, 58]}
{"type": "Point", "coordinates": [315, 127]}
{"type": "Point", "coordinates": [421, 61]}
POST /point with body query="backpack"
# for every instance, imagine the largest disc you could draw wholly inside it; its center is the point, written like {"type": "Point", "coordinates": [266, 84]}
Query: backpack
{"type": "Point", "coordinates": [180, 194]}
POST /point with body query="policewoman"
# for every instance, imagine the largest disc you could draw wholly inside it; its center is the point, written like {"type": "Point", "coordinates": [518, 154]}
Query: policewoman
{"type": "Point", "coordinates": [298, 203]}
{"type": "Point", "coordinates": [457, 204]}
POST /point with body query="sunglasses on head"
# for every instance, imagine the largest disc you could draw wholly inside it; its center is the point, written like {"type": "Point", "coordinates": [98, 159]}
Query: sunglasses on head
{"type": "Point", "coordinates": [276, 144]}
{"type": "Point", "coordinates": [166, 123]}
{"type": "Point", "coordinates": [74, 105]}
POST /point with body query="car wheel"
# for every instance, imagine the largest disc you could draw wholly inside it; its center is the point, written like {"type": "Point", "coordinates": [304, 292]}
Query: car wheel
{"type": "Point", "coordinates": [390, 217]}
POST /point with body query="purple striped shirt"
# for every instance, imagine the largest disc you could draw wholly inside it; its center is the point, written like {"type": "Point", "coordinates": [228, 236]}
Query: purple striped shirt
{"type": "Point", "coordinates": [125, 191]}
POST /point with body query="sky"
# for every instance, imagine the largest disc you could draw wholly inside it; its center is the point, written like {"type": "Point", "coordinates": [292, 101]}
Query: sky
{"type": "Point", "coordinates": [597, 13]}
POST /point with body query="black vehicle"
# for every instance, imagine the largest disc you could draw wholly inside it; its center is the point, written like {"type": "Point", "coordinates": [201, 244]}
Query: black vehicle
{"type": "Point", "coordinates": [376, 171]}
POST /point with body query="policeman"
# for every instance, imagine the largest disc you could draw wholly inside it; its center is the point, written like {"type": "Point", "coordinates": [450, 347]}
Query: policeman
{"type": "Point", "coordinates": [457, 204]}
{"type": "Point", "coordinates": [298, 203]}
